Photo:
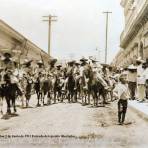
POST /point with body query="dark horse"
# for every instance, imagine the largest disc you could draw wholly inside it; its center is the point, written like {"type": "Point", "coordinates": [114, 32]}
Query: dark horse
{"type": "Point", "coordinates": [57, 88]}
{"type": "Point", "coordinates": [46, 89]}
{"type": "Point", "coordinates": [28, 90]}
{"type": "Point", "coordinates": [37, 88]}
{"type": "Point", "coordinates": [70, 87]}
{"type": "Point", "coordinates": [10, 92]}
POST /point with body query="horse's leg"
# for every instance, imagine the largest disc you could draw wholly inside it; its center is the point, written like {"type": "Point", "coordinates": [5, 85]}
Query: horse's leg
{"type": "Point", "coordinates": [104, 95]}
{"type": "Point", "coordinates": [22, 99]}
{"type": "Point", "coordinates": [88, 97]}
{"type": "Point", "coordinates": [8, 105]}
{"type": "Point", "coordinates": [28, 99]}
{"type": "Point", "coordinates": [85, 98]}
{"type": "Point", "coordinates": [43, 96]}
{"type": "Point", "coordinates": [1, 104]}
{"type": "Point", "coordinates": [94, 99]}
{"type": "Point", "coordinates": [38, 97]}
{"type": "Point", "coordinates": [48, 98]}
{"type": "Point", "coordinates": [82, 96]}
{"type": "Point", "coordinates": [75, 95]}
{"type": "Point", "coordinates": [55, 95]}
{"type": "Point", "coordinates": [104, 99]}
{"type": "Point", "coordinates": [13, 98]}
{"type": "Point", "coordinates": [68, 97]}
{"type": "Point", "coordinates": [26, 96]}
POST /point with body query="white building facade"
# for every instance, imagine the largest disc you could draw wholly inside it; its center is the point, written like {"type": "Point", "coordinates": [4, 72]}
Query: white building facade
{"type": "Point", "coordinates": [134, 38]}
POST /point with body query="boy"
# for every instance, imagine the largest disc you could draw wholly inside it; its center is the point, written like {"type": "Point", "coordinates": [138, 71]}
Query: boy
{"type": "Point", "coordinates": [122, 93]}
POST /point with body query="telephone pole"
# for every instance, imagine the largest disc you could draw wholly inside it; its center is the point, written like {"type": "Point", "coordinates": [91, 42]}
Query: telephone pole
{"type": "Point", "coordinates": [106, 38]}
{"type": "Point", "coordinates": [49, 19]}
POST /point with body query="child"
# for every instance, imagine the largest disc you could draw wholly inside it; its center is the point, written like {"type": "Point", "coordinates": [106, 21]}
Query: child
{"type": "Point", "coordinates": [122, 93]}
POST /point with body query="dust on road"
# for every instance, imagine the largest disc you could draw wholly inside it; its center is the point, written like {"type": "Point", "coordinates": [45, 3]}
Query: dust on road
{"type": "Point", "coordinates": [68, 125]}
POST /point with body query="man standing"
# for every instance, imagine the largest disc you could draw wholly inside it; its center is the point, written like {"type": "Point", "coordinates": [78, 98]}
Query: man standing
{"type": "Point", "coordinates": [132, 78]}
{"type": "Point", "coordinates": [140, 80]}
{"type": "Point", "coordinates": [122, 93]}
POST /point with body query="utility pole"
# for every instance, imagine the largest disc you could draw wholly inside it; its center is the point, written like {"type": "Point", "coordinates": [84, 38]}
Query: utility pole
{"type": "Point", "coordinates": [49, 20]}
{"type": "Point", "coordinates": [106, 38]}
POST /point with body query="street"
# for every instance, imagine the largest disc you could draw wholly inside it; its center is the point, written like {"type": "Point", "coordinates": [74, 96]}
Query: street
{"type": "Point", "coordinates": [69, 125]}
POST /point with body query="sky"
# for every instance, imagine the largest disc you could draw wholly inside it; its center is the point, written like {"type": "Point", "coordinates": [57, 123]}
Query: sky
{"type": "Point", "coordinates": [79, 30]}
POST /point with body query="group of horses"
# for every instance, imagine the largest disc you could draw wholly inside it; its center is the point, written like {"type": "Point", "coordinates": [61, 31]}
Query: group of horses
{"type": "Point", "coordinates": [57, 87]}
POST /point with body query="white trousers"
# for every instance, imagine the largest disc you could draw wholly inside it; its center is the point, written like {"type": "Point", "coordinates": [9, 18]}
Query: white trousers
{"type": "Point", "coordinates": [141, 91]}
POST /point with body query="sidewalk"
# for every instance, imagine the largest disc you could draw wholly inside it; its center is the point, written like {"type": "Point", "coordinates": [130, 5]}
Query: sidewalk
{"type": "Point", "coordinates": [140, 108]}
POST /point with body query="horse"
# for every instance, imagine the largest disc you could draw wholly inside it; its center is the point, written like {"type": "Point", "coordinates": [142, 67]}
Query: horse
{"type": "Point", "coordinates": [46, 89]}
{"type": "Point", "coordinates": [10, 92]}
{"type": "Point", "coordinates": [1, 93]}
{"type": "Point", "coordinates": [94, 86]}
{"type": "Point", "coordinates": [57, 88]}
{"type": "Point", "coordinates": [85, 85]}
{"type": "Point", "coordinates": [28, 89]}
{"type": "Point", "coordinates": [70, 87]}
{"type": "Point", "coordinates": [37, 88]}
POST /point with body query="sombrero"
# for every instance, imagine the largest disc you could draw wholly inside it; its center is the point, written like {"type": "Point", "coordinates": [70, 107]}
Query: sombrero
{"type": "Point", "coordinates": [132, 67]}
{"type": "Point", "coordinates": [6, 52]}
{"type": "Point", "coordinates": [139, 59]}
{"type": "Point", "coordinates": [83, 59]}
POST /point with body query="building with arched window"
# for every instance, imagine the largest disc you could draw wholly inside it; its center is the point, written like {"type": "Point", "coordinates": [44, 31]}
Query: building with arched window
{"type": "Point", "coordinates": [134, 38]}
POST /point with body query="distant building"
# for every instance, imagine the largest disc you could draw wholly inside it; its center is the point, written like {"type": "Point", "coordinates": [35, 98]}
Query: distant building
{"type": "Point", "coordinates": [134, 38]}
{"type": "Point", "coordinates": [11, 39]}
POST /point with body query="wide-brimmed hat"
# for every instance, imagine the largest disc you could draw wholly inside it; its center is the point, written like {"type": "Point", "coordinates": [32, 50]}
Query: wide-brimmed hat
{"type": "Point", "coordinates": [27, 62]}
{"type": "Point", "coordinates": [93, 59]}
{"type": "Point", "coordinates": [59, 65]}
{"type": "Point", "coordinates": [132, 67]}
{"type": "Point", "coordinates": [52, 61]}
{"type": "Point", "coordinates": [83, 59]}
{"type": "Point", "coordinates": [6, 52]}
{"type": "Point", "coordinates": [77, 63]}
{"type": "Point", "coordinates": [139, 59]}
{"type": "Point", "coordinates": [71, 62]}
{"type": "Point", "coordinates": [40, 62]}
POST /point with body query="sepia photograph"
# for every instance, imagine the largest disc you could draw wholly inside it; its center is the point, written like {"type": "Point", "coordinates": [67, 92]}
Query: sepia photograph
{"type": "Point", "coordinates": [73, 73]}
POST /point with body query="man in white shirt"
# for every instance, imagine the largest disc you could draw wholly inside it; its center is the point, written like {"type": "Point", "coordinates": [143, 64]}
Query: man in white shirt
{"type": "Point", "coordinates": [122, 93]}
{"type": "Point", "coordinates": [132, 78]}
{"type": "Point", "coordinates": [140, 81]}
{"type": "Point", "coordinates": [145, 77]}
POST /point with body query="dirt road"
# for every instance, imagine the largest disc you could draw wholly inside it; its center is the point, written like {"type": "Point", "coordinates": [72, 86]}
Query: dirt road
{"type": "Point", "coordinates": [73, 125]}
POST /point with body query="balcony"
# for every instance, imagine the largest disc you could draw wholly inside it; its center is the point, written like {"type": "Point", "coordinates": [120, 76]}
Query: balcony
{"type": "Point", "coordinates": [133, 20]}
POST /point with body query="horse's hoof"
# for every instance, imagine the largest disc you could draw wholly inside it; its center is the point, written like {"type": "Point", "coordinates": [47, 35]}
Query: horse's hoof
{"type": "Point", "coordinates": [38, 105]}
{"type": "Point", "coordinates": [2, 112]}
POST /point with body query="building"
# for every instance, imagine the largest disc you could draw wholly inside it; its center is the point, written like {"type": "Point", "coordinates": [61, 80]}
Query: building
{"type": "Point", "coordinates": [21, 47]}
{"type": "Point", "coordinates": [134, 38]}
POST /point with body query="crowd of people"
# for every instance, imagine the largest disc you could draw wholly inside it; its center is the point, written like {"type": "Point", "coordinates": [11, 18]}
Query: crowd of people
{"type": "Point", "coordinates": [85, 81]}
{"type": "Point", "coordinates": [56, 82]}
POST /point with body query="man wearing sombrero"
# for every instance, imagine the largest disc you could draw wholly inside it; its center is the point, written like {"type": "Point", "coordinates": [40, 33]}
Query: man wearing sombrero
{"type": "Point", "coordinates": [140, 79]}
{"type": "Point", "coordinates": [7, 63]}
{"type": "Point", "coordinates": [132, 78]}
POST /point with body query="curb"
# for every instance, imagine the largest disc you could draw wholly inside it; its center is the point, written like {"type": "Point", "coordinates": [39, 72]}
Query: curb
{"type": "Point", "coordinates": [141, 114]}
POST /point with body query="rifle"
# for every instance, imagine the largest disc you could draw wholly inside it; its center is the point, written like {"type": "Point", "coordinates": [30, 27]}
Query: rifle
{"type": "Point", "coordinates": [22, 48]}
{"type": "Point", "coordinates": [42, 60]}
